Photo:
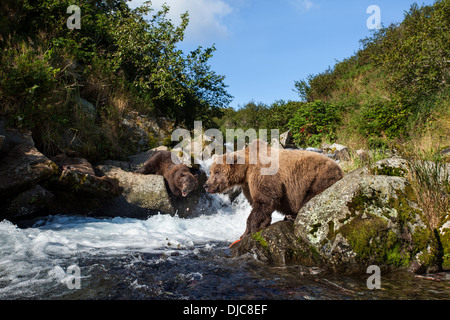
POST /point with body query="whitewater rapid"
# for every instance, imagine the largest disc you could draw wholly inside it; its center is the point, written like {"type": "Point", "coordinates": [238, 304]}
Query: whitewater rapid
{"type": "Point", "coordinates": [39, 255]}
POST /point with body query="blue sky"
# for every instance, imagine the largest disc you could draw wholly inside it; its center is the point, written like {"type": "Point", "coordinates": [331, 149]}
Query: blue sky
{"type": "Point", "coordinates": [264, 46]}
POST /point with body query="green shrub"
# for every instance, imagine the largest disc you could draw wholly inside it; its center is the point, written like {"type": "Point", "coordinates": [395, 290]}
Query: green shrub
{"type": "Point", "coordinates": [314, 122]}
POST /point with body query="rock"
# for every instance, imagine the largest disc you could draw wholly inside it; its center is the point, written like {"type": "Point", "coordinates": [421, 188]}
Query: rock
{"type": "Point", "coordinates": [365, 219]}
{"type": "Point", "coordinates": [29, 202]}
{"type": "Point", "coordinates": [137, 160]}
{"type": "Point", "coordinates": [78, 176]}
{"type": "Point", "coordinates": [340, 151]}
{"type": "Point", "coordinates": [277, 245]}
{"type": "Point", "coordinates": [87, 107]}
{"type": "Point", "coordinates": [311, 149]}
{"type": "Point", "coordinates": [142, 195]}
{"type": "Point", "coordinates": [23, 166]}
{"type": "Point", "coordinates": [326, 146]}
{"type": "Point", "coordinates": [147, 132]}
{"type": "Point", "coordinates": [445, 152]}
{"type": "Point", "coordinates": [80, 165]}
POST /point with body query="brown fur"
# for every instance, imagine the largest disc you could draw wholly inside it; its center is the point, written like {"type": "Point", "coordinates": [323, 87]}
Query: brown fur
{"type": "Point", "coordinates": [178, 176]}
{"type": "Point", "coordinates": [301, 176]}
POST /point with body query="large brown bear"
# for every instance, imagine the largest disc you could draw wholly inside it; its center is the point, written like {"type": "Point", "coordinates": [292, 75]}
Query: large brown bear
{"type": "Point", "coordinates": [178, 176]}
{"type": "Point", "coordinates": [301, 175]}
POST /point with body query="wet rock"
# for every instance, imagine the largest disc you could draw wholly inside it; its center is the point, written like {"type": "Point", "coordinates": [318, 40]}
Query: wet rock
{"type": "Point", "coordinates": [142, 195]}
{"type": "Point", "coordinates": [277, 245]}
{"type": "Point", "coordinates": [29, 202]}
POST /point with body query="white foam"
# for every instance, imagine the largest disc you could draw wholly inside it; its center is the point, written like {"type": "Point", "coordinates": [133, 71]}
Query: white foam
{"type": "Point", "coordinates": [36, 256]}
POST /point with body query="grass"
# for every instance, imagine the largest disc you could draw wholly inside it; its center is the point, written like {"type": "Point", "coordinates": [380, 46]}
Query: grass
{"type": "Point", "coordinates": [430, 181]}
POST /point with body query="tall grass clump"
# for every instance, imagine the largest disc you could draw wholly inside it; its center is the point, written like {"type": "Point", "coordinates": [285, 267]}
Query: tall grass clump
{"type": "Point", "coordinates": [430, 180]}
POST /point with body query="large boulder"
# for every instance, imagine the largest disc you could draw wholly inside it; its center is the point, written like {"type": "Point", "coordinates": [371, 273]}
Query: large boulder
{"type": "Point", "coordinates": [22, 166]}
{"type": "Point", "coordinates": [142, 195]}
{"type": "Point", "coordinates": [369, 219]}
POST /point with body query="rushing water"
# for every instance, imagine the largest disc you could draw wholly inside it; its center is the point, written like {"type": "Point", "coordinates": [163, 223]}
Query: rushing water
{"type": "Point", "coordinates": [167, 257]}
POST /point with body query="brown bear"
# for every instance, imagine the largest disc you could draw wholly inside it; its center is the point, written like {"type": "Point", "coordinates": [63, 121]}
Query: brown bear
{"type": "Point", "coordinates": [301, 175]}
{"type": "Point", "coordinates": [178, 176]}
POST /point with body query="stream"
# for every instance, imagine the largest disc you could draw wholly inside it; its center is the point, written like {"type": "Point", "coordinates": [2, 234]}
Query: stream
{"type": "Point", "coordinates": [168, 257]}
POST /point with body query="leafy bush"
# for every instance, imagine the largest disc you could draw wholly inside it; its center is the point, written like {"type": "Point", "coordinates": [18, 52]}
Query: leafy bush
{"type": "Point", "coordinates": [314, 122]}
{"type": "Point", "coordinates": [119, 61]}
{"type": "Point", "coordinates": [396, 82]}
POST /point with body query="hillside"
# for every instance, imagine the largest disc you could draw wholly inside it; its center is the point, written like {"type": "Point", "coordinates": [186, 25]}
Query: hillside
{"type": "Point", "coordinates": [74, 87]}
{"type": "Point", "coordinates": [394, 90]}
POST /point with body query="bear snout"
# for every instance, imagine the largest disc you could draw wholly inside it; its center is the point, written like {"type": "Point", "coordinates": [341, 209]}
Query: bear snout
{"type": "Point", "coordinates": [208, 188]}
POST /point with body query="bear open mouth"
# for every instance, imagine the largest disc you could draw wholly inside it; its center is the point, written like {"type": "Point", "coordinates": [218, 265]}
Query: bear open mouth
{"type": "Point", "coordinates": [213, 191]}
{"type": "Point", "coordinates": [184, 194]}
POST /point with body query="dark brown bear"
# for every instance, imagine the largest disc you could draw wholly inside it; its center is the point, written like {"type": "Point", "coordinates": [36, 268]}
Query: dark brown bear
{"type": "Point", "coordinates": [300, 176]}
{"type": "Point", "coordinates": [178, 176]}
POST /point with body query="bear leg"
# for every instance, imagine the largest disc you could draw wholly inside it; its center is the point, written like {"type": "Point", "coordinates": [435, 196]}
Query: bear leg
{"type": "Point", "coordinates": [260, 217]}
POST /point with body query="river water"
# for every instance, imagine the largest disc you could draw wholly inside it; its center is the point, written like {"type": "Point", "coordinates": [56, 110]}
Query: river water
{"type": "Point", "coordinates": [167, 257]}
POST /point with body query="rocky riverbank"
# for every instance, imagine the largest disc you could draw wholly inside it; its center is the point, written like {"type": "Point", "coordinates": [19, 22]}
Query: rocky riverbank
{"type": "Point", "coordinates": [370, 217]}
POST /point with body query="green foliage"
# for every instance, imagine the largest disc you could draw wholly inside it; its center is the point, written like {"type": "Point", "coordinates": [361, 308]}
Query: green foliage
{"type": "Point", "coordinates": [381, 118]}
{"type": "Point", "coordinates": [314, 122]}
{"type": "Point", "coordinates": [415, 52]}
{"type": "Point", "coordinates": [396, 83]}
{"type": "Point", "coordinates": [277, 116]}
{"type": "Point", "coordinates": [72, 88]}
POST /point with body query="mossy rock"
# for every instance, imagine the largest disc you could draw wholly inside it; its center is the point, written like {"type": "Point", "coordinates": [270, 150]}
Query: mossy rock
{"type": "Point", "coordinates": [393, 167]}
{"type": "Point", "coordinates": [444, 237]}
{"type": "Point", "coordinates": [278, 245]}
{"type": "Point", "coordinates": [369, 219]}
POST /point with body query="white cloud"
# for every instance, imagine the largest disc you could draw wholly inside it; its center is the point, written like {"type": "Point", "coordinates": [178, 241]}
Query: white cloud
{"type": "Point", "coordinates": [304, 5]}
{"type": "Point", "coordinates": [205, 16]}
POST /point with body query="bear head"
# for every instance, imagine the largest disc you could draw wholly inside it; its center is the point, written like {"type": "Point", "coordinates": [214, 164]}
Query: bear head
{"type": "Point", "coordinates": [225, 172]}
{"type": "Point", "coordinates": [186, 182]}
